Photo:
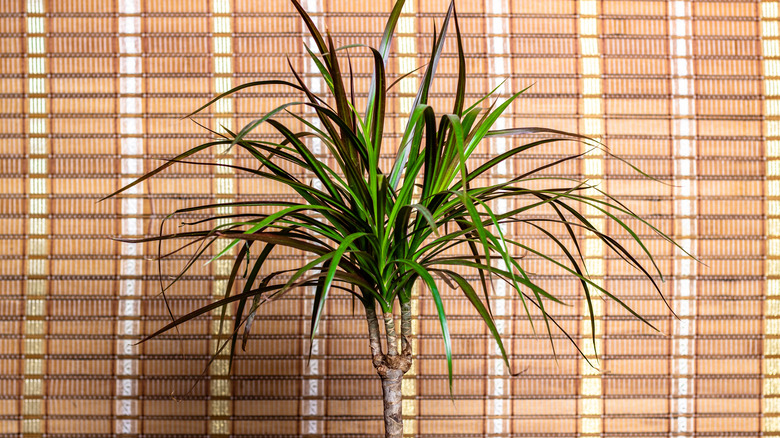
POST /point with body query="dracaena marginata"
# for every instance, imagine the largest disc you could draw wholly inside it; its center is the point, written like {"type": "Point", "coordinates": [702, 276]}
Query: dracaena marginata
{"type": "Point", "coordinates": [377, 231]}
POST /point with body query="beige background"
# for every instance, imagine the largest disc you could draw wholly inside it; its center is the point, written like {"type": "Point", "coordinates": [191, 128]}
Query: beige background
{"type": "Point", "coordinates": [92, 95]}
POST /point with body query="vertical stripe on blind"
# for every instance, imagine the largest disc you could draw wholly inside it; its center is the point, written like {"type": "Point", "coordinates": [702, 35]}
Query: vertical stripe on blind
{"type": "Point", "coordinates": [220, 385]}
{"type": "Point", "coordinates": [131, 144]}
{"type": "Point", "coordinates": [406, 51]}
{"type": "Point", "coordinates": [38, 225]}
{"type": "Point", "coordinates": [591, 405]}
{"type": "Point", "coordinates": [771, 367]}
{"type": "Point", "coordinates": [313, 389]}
{"type": "Point", "coordinates": [499, 401]}
{"type": "Point", "coordinates": [684, 152]}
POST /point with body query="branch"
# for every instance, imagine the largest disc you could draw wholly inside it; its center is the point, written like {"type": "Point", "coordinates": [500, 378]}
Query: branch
{"type": "Point", "coordinates": [373, 333]}
{"type": "Point", "coordinates": [406, 328]}
{"type": "Point", "coordinates": [392, 337]}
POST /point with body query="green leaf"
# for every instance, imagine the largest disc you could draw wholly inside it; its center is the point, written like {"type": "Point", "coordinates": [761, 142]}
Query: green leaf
{"type": "Point", "coordinates": [428, 217]}
{"type": "Point", "coordinates": [377, 115]}
{"type": "Point", "coordinates": [315, 33]}
{"type": "Point", "coordinates": [404, 76]}
{"type": "Point", "coordinates": [460, 91]}
{"type": "Point", "coordinates": [270, 219]}
{"type": "Point", "coordinates": [311, 160]}
{"type": "Point", "coordinates": [320, 66]}
{"type": "Point", "coordinates": [384, 50]}
{"type": "Point", "coordinates": [339, 92]}
{"type": "Point", "coordinates": [334, 264]}
{"type": "Point", "coordinates": [239, 88]}
{"type": "Point", "coordinates": [482, 129]}
{"type": "Point", "coordinates": [231, 279]}
{"type": "Point", "coordinates": [445, 331]}
{"type": "Point", "coordinates": [369, 227]}
{"type": "Point", "coordinates": [480, 308]}
{"type": "Point", "coordinates": [165, 166]}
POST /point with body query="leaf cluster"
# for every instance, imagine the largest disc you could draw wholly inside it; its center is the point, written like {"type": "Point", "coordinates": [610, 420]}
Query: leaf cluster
{"type": "Point", "coordinates": [374, 232]}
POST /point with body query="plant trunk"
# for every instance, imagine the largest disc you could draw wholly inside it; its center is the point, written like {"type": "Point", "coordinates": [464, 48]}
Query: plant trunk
{"type": "Point", "coordinates": [391, 391]}
{"type": "Point", "coordinates": [392, 366]}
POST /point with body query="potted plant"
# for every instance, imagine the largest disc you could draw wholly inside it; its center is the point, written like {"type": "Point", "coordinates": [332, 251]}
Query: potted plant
{"type": "Point", "coordinates": [375, 232]}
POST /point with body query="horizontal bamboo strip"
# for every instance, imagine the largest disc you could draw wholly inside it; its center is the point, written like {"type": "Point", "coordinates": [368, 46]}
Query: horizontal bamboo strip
{"type": "Point", "coordinates": [93, 92]}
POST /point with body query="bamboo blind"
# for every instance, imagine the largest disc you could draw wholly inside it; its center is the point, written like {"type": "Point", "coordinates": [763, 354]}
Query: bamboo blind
{"type": "Point", "coordinates": [92, 95]}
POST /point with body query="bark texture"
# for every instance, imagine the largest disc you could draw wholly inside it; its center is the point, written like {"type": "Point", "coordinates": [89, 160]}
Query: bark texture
{"type": "Point", "coordinates": [391, 335]}
{"type": "Point", "coordinates": [391, 391]}
{"type": "Point", "coordinates": [406, 328]}
{"type": "Point", "coordinates": [375, 342]}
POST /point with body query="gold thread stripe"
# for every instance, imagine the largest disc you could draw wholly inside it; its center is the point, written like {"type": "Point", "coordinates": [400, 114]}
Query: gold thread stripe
{"type": "Point", "coordinates": [37, 265]}
{"type": "Point", "coordinates": [131, 268]}
{"type": "Point", "coordinates": [592, 125]}
{"type": "Point", "coordinates": [499, 405]}
{"type": "Point", "coordinates": [684, 146]}
{"type": "Point", "coordinates": [406, 41]}
{"type": "Point", "coordinates": [313, 389]}
{"type": "Point", "coordinates": [220, 387]}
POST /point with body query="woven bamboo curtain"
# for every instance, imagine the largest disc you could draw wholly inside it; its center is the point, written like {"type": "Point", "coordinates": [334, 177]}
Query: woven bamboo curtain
{"type": "Point", "coordinates": [92, 96]}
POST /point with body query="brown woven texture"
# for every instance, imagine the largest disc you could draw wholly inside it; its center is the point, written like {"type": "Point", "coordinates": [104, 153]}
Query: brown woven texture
{"type": "Point", "coordinates": [62, 296]}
